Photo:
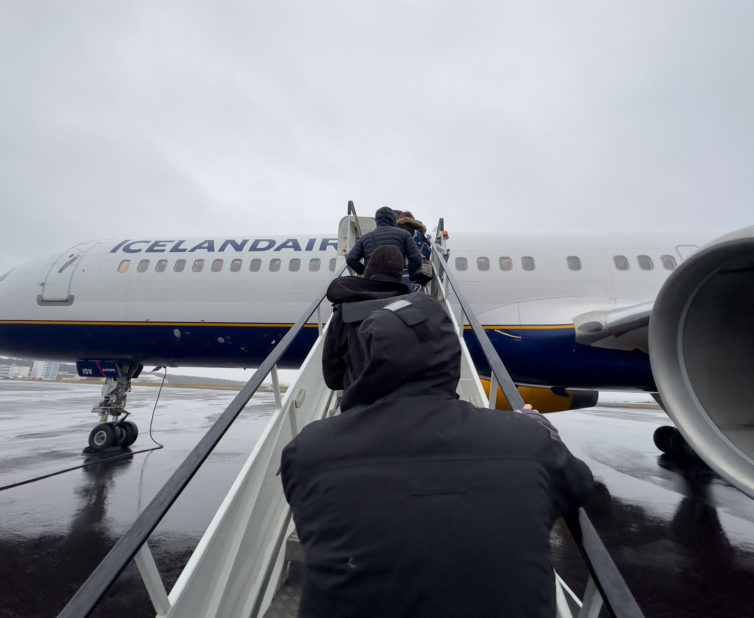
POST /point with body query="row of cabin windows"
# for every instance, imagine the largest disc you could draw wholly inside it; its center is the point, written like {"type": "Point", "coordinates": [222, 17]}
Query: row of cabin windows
{"type": "Point", "coordinates": [216, 266]}
{"type": "Point", "coordinates": [573, 261]}
{"type": "Point", "coordinates": [461, 263]}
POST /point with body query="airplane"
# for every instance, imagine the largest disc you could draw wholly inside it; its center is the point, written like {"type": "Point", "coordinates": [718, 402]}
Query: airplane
{"type": "Point", "coordinates": [663, 312]}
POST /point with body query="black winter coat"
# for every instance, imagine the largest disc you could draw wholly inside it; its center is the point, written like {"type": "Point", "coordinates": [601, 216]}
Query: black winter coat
{"type": "Point", "coordinates": [340, 359]}
{"type": "Point", "coordinates": [414, 503]}
{"type": "Point", "coordinates": [384, 234]}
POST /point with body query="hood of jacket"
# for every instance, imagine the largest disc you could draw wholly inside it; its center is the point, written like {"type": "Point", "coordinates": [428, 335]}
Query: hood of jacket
{"type": "Point", "coordinates": [353, 289]}
{"type": "Point", "coordinates": [412, 223]}
{"type": "Point", "coordinates": [408, 348]}
{"type": "Point", "coordinates": [385, 216]}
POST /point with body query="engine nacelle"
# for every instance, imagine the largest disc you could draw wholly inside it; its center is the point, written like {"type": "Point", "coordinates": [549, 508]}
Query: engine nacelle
{"type": "Point", "coordinates": [701, 346]}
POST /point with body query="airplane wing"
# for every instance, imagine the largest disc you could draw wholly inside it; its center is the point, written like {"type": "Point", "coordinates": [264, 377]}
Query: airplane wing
{"type": "Point", "coordinates": [624, 328]}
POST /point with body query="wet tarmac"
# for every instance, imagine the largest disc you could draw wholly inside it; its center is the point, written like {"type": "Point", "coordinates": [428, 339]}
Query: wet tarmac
{"type": "Point", "coordinates": [683, 539]}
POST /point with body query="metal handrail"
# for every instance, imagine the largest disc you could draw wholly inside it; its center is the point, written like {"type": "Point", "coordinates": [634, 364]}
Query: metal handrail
{"type": "Point", "coordinates": [612, 587]}
{"type": "Point", "coordinates": [100, 580]}
{"type": "Point", "coordinates": [355, 220]}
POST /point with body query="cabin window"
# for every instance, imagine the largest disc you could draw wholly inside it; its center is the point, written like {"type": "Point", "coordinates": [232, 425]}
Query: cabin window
{"type": "Point", "coordinates": [275, 265]}
{"type": "Point", "coordinates": [235, 265]}
{"type": "Point", "coordinates": [160, 266]}
{"type": "Point", "coordinates": [483, 263]}
{"type": "Point", "coordinates": [645, 262]}
{"type": "Point", "coordinates": [506, 263]}
{"type": "Point", "coordinates": [621, 262]}
{"type": "Point", "coordinates": [198, 265]}
{"type": "Point", "coordinates": [294, 265]}
{"type": "Point", "coordinates": [217, 265]}
{"type": "Point", "coordinates": [332, 264]}
{"type": "Point", "coordinates": [255, 265]}
{"type": "Point", "coordinates": [314, 264]}
{"type": "Point", "coordinates": [143, 265]}
{"type": "Point", "coordinates": [527, 262]}
{"type": "Point", "coordinates": [668, 262]}
{"type": "Point", "coordinates": [574, 262]}
{"type": "Point", "coordinates": [461, 263]}
{"type": "Point", "coordinates": [123, 266]}
{"type": "Point", "coordinates": [179, 265]}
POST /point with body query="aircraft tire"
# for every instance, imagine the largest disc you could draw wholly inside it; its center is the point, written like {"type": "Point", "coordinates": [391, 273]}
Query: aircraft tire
{"type": "Point", "coordinates": [102, 436]}
{"type": "Point", "coordinates": [670, 441]}
{"type": "Point", "coordinates": [132, 432]}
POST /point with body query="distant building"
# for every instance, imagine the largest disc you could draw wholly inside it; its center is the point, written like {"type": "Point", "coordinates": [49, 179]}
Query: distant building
{"type": "Point", "coordinates": [13, 371]}
{"type": "Point", "coordinates": [45, 370]}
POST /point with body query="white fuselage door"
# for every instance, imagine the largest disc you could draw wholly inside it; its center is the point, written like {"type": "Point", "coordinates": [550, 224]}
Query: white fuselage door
{"type": "Point", "coordinates": [57, 284]}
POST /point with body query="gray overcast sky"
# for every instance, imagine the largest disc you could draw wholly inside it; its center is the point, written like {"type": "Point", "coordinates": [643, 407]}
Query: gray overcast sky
{"type": "Point", "coordinates": [167, 119]}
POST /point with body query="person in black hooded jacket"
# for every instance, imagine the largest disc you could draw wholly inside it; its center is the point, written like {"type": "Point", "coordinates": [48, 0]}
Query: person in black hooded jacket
{"type": "Point", "coordinates": [414, 503]}
{"type": "Point", "coordinates": [381, 280]}
{"type": "Point", "coordinates": [384, 234]}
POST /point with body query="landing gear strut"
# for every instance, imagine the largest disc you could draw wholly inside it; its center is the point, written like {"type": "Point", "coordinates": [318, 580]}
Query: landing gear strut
{"type": "Point", "coordinates": [112, 430]}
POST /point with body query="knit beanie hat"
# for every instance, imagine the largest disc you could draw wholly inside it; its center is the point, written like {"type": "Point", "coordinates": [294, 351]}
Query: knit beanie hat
{"type": "Point", "coordinates": [387, 260]}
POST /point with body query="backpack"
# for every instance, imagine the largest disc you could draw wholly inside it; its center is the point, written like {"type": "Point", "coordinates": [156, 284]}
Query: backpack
{"type": "Point", "coordinates": [422, 242]}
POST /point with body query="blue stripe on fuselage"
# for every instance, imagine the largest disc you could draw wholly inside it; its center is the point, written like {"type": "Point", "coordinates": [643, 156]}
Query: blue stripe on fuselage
{"type": "Point", "coordinates": [546, 356]}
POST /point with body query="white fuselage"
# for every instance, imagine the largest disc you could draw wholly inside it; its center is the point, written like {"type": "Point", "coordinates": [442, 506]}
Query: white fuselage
{"type": "Point", "coordinates": [67, 305]}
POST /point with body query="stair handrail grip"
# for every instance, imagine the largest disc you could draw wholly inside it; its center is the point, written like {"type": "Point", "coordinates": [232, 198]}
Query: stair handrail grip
{"type": "Point", "coordinates": [96, 585]}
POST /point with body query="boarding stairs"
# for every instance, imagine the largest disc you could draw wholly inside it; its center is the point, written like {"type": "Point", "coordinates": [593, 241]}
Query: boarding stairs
{"type": "Point", "coordinates": [245, 564]}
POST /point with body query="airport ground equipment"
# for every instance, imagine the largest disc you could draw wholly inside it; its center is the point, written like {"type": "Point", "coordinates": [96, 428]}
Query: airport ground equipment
{"type": "Point", "coordinates": [241, 561]}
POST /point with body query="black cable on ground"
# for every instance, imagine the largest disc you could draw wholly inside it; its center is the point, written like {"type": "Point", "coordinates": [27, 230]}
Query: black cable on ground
{"type": "Point", "coordinates": [99, 461]}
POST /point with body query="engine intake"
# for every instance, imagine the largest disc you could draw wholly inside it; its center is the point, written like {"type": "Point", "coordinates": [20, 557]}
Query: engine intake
{"type": "Point", "coordinates": [701, 346]}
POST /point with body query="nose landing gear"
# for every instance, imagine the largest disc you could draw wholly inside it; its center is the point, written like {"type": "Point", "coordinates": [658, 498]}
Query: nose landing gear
{"type": "Point", "coordinates": [112, 430]}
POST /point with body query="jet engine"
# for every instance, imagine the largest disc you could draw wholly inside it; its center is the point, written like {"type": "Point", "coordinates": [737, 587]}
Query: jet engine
{"type": "Point", "coordinates": [701, 346]}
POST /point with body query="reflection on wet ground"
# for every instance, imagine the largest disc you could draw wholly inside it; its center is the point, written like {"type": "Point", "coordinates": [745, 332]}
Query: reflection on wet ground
{"type": "Point", "coordinates": [683, 539]}
{"type": "Point", "coordinates": [56, 530]}
{"type": "Point", "coordinates": [681, 536]}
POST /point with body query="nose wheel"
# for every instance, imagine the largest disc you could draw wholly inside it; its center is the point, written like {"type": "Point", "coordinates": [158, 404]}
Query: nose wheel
{"type": "Point", "coordinates": [116, 433]}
